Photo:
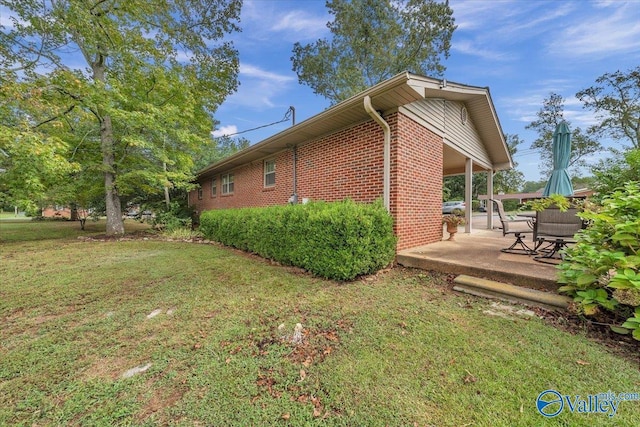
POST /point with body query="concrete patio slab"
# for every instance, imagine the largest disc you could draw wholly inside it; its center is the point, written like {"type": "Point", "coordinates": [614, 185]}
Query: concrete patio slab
{"type": "Point", "coordinates": [478, 254]}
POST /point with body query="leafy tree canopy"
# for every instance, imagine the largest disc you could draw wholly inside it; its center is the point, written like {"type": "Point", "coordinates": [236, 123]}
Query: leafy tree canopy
{"type": "Point", "coordinates": [373, 40]}
{"type": "Point", "coordinates": [548, 117]}
{"type": "Point", "coordinates": [218, 149]}
{"type": "Point", "coordinates": [613, 173]}
{"type": "Point", "coordinates": [509, 181]}
{"type": "Point", "coordinates": [616, 101]}
{"type": "Point", "coordinates": [115, 93]}
{"type": "Point", "coordinates": [533, 186]}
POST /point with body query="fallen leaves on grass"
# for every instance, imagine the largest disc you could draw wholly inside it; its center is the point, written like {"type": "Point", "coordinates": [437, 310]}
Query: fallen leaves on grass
{"type": "Point", "coordinates": [469, 378]}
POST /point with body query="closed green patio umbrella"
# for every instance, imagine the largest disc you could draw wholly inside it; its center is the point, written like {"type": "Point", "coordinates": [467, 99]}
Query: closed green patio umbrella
{"type": "Point", "coordinates": [559, 182]}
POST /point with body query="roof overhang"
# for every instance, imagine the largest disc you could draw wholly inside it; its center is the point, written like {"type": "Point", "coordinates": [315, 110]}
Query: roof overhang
{"type": "Point", "coordinates": [388, 95]}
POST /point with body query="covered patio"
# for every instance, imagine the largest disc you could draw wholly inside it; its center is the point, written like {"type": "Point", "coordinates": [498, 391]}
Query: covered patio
{"type": "Point", "coordinates": [478, 254]}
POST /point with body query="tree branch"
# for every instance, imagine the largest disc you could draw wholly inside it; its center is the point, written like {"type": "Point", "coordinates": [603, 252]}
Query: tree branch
{"type": "Point", "coordinates": [55, 117]}
{"type": "Point", "coordinates": [80, 100]}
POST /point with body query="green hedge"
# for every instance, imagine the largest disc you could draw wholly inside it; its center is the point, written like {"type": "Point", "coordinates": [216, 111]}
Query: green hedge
{"type": "Point", "coordinates": [339, 240]}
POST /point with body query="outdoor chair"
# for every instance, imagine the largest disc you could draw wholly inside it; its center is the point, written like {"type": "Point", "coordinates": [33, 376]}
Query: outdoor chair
{"type": "Point", "coordinates": [519, 246]}
{"type": "Point", "coordinates": [555, 228]}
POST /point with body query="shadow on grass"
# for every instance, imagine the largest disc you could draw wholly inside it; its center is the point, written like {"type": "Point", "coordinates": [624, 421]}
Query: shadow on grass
{"type": "Point", "coordinates": [28, 230]}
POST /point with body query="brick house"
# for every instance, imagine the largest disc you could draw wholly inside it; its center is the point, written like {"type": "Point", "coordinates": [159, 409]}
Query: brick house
{"type": "Point", "coordinates": [395, 141]}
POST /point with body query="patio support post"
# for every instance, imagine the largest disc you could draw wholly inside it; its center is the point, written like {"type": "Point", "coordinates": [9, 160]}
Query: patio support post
{"type": "Point", "coordinates": [489, 207]}
{"type": "Point", "coordinates": [468, 184]}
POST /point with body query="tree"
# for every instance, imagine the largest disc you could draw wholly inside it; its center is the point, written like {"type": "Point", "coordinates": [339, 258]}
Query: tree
{"type": "Point", "coordinates": [552, 113]}
{"type": "Point", "coordinates": [616, 101]}
{"type": "Point", "coordinates": [613, 173]}
{"type": "Point", "coordinates": [507, 181]}
{"type": "Point", "coordinates": [122, 87]}
{"type": "Point", "coordinates": [219, 148]}
{"type": "Point", "coordinates": [372, 41]}
{"type": "Point", "coordinates": [533, 186]}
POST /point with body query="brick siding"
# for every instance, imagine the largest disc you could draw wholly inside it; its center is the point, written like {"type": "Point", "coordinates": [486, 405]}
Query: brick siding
{"type": "Point", "coordinates": [349, 164]}
{"type": "Point", "coordinates": [416, 183]}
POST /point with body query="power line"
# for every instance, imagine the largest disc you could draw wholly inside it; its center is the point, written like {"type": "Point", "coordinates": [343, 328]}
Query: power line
{"type": "Point", "coordinates": [287, 117]}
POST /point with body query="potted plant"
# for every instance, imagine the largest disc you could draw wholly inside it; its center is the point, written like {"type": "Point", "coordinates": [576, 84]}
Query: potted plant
{"type": "Point", "coordinates": [453, 220]}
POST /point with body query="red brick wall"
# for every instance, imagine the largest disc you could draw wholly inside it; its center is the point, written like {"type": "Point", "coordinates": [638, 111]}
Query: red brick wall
{"type": "Point", "coordinates": [416, 183]}
{"type": "Point", "coordinates": [249, 189]}
{"type": "Point", "coordinates": [345, 164]}
{"type": "Point", "coordinates": [349, 164]}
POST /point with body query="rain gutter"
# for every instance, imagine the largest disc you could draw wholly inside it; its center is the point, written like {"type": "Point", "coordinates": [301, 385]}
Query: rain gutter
{"type": "Point", "coordinates": [386, 175]}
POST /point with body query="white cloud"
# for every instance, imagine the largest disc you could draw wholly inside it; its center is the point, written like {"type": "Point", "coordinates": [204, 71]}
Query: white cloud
{"type": "Point", "coordinates": [614, 30]}
{"type": "Point", "coordinates": [273, 22]}
{"type": "Point", "coordinates": [301, 23]}
{"type": "Point", "coordinates": [259, 88]}
{"type": "Point", "coordinates": [469, 47]}
{"type": "Point", "coordinates": [260, 74]}
{"type": "Point", "coordinates": [496, 24]}
{"type": "Point", "coordinates": [225, 130]}
{"type": "Point", "coordinates": [524, 108]}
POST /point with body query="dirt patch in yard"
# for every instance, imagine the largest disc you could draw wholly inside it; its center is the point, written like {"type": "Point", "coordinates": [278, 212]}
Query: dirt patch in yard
{"type": "Point", "coordinates": [316, 345]}
{"type": "Point", "coordinates": [162, 398]}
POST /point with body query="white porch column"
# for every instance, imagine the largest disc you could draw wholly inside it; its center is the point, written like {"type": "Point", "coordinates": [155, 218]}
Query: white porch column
{"type": "Point", "coordinates": [468, 183]}
{"type": "Point", "coordinates": [489, 202]}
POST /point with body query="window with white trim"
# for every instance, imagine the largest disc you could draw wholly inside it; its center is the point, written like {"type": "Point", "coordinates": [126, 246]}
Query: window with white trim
{"type": "Point", "coordinates": [214, 187]}
{"type": "Point", "coordinates": [227, 183]}
{"type": "Point", "coordinates": [269, 173]}
{"type": "Point", "coordinates": [200, 193]}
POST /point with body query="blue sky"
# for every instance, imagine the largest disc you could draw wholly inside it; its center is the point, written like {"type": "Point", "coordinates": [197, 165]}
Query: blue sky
{"type": "Point", "coordinates": [521, 49]}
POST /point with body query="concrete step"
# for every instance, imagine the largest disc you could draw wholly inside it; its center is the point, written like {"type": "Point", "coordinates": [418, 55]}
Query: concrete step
{"type": "Point", "coordinates": [535, 275]}
{"type": "Point", "coordinates": [492, 289]}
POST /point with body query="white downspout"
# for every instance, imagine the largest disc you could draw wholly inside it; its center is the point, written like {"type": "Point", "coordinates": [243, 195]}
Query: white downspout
{"type": "Point", "coordinates": [386, 174]}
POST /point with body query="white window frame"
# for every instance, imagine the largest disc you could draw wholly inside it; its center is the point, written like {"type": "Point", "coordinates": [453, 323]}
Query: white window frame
{"type": "Point", "coordinates": [214, 187]}
{"type": "Point", "coordinates": [199, 193]}
{"type": "Point", "coordinates": [227, 184]}
{"type": "Point", "coordinates": [268, 173]}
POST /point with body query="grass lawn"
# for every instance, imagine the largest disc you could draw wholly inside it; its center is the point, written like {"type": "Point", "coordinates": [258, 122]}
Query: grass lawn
{"type": "Point", "coordinates": [205, 322]}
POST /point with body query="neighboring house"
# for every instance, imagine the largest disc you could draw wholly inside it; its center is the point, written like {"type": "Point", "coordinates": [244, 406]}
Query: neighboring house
{"type": "Point", "coordinates": [63, 212]}
{"type": "Point", "coordinates": [394, 141]}
{"type": "Point", "coordinates": [525, 197]}
{"type": "Point", "coordinates": [56, 212]}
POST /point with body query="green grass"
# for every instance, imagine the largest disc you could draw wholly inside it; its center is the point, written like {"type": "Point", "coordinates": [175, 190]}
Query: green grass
{"type": "Point", "coordinates": [395, 349]}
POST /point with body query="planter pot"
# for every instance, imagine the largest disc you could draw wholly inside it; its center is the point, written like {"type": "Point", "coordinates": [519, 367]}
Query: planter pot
{"type": "Point", "coordinates": [452, 229]}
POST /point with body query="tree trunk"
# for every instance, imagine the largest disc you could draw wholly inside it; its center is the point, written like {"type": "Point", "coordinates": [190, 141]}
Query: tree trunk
{"type": "Point", "coordinates": [115, 225]}
{"type": "Point", "coordinates": [167, 199]}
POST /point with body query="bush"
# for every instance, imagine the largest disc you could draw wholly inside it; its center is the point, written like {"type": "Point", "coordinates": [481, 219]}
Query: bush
{"type": "Point", "coordinates": [340, 240]}
{"type": "Point", "coordinates": [510, 205]}
{"type": "Point", "coordinates": [175, 218]}
{"type": "Point", "coordinates": [603, 269]}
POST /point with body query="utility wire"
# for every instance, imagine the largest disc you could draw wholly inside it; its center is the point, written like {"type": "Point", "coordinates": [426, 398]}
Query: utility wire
{"type": "Point", "coordinates": [287, 117]}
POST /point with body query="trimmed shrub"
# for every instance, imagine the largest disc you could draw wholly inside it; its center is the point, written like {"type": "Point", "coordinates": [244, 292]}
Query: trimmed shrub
{"type": "Point", "coordinates": [339, 240]}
